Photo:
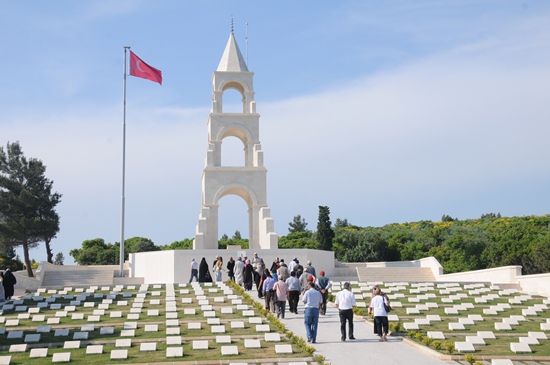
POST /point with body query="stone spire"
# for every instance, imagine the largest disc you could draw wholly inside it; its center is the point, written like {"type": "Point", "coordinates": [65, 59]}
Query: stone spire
{"type": "Point", "coordinates": [232, 59]}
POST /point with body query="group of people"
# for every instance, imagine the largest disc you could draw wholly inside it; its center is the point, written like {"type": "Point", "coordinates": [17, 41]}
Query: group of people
{"type": "Point", "coordinates": [8, 281]}
{"type": "Point", "coordinates": [281, 283]}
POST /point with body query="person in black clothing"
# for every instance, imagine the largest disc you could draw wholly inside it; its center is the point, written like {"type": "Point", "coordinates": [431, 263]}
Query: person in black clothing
{"type": "Point", "coordinates": [230, 267]}
{"type": "Point", "coordinates": [8, 283]}
{"type": "Point", "coordinates": [204, 272]}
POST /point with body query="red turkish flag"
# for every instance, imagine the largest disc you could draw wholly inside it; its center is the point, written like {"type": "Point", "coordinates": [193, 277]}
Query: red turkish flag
{"type": "Point", "coordinates": [139, 68]}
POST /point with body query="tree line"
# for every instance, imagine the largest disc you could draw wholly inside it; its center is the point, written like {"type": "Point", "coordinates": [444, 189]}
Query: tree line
{"type": "Point", "coordinates": [459, 245]}
{"type": "Point", "coordinates": [28, 217]}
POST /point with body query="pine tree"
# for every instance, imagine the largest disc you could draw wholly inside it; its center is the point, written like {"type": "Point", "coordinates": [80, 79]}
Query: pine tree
{"type": "Point", "coordinates": [325, 233]}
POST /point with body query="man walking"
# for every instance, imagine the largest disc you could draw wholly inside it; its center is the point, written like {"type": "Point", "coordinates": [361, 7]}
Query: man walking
{"type": "Point", "coordinates": [345, 302]}
{"type": "Point", "coordinates": [267, 288]}
{"type": "Point", "coordinates": [294, 289]}
{"type": "Point", "coordinates": [312, 299]}
{"type": "Point", "coordinates": [194, 271]}
{"type": "Point", "coordinates": [324, 284]}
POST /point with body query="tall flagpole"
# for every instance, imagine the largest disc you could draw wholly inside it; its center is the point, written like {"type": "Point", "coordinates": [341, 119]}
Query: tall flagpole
{"type": "Point", "coordinates": [121, 254]}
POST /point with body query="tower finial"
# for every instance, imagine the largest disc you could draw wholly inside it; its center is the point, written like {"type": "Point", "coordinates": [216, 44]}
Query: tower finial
{"type": "Point", "coordinates": [231, 28]}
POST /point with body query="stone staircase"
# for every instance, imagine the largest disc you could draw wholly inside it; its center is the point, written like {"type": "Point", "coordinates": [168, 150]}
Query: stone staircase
{"type": "Point", "coordinates": [79, 276]}
{"type": "Point", "coordinates": [395, 274]}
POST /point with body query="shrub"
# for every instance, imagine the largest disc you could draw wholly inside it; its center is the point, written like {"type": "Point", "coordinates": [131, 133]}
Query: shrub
{"type": "Point", "coordinates": [419, 336]}
{"type": "Point", "coordinates": [437, 345]}
{"type": "Point", "coordinates": [395, 327]}
{"type": "Point", "coordinates": [471, 359]}
{"type": "Point", "coordinates": [411, 334]}
{"type": "Point", "coordinates": [450, 347]}
{"type": "Point", "coordinates": [427, 341]}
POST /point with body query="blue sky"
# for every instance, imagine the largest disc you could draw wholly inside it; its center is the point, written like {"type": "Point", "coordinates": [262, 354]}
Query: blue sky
{"type": "Point", "coordinates": [384, 111]}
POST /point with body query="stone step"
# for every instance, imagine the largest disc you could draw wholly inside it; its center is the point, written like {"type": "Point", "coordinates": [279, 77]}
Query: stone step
{"type": "Point", "coordinates": [78, 277]}
{"type": "Point", "coordinates": [382, 274]}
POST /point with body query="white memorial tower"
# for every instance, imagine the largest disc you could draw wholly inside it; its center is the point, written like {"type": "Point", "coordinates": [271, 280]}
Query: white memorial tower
{"type": "Point", "coordinates": [248, 181]}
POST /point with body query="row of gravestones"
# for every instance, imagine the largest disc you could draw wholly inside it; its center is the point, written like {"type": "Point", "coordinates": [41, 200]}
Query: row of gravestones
{"type": "Point", "coordinates": [423, 294]}
{"type": "Point", "coordinates": [129, 327]}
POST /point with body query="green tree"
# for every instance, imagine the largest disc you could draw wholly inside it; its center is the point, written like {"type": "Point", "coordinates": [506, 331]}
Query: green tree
{"type": "Point", "coordinates": [237, 235]}
{"type": "Point", "coordinates": [185, 244]}
{"type": "Point", "coordinates": [298, 224]}
{"type": "Point", "coordinates": [304, 239]}
{"type": "Point", "coordinates": [27, 204]}
{"type": "Point", "coordinates": [325, 233]}
{"type": "Point", "coordinates": [138, 244]}
{"type": "Point", "coordinates": [96, 252]}
{"type": "Point", "coordinates": [8, 258]}
{"type": "Point", "coordinates": [59, 259]}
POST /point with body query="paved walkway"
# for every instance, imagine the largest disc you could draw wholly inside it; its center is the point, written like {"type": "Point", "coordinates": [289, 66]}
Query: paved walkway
{"type": "Point", "coordinates": [364, 349]}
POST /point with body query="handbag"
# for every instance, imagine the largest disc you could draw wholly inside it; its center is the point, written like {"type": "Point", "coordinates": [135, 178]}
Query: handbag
{"type": "Point", "coordinates": [387, 307]}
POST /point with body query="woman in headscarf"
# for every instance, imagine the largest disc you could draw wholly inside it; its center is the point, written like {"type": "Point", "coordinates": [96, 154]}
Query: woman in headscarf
{"type": "Point", "coordinates": [258, 272]}
{"type": "Point", "coordinates": [248, 275]}
{"type": "Point", "coordinates": [204, 272]}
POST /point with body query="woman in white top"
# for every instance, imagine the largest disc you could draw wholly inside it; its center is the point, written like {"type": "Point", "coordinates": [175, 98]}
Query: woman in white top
{"type": "Point", "coordinates": [380, 315]}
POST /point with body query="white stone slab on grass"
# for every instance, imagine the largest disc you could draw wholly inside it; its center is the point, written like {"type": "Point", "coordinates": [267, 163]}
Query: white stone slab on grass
{"type": "Point", "coordinates": [18, 348]}
{"type": "Point", "coordinates": [255, 320]}
{"type": "Point", "coordinates": [454, 326]}
{"type": "Point", "coordinates": [15, 334]}
{"type": "Point", "coordinates": [237, 324]}
{"type": "Point", "coordinates": [123, 342]}
{"type": "Point", "coordinates": [262, 328]}
{"type": "Point", "coordinates": [250, 343]}
{"type": "Point", "coordinates": [151, 328]}
{"type": "Point", "coordinates": [463, 347]}
{"type": "Point", "coordinates": [476, 340]}
{"type": "Point", "coordinates": [174, 352]}
{"type": "Point", "coordinates": [38, 353]}
{"type": "Point", "coordinates": [230, 350]}
{"type": "Point", "coordinates": [80, 336]}
{"type": "Point", "coordinates": [148, 346]}
{"type": "Point", "coordinates": [520, 348]}
{"type": "Point", "coordinates": [501, 362]}
{"type": "Point", "coordinates": [200, 345]}
{"type": "Point", "coordinates": [61, 357]}
{"type": "Point", "coordinates": [435, 335]}
{"type": "Point", "coordinates": [94, 350]}
{"type": "Point", "coordinates": [531, 341]}
{"type": "Point", "coordinates": [48, 329]}
{"type": "Point", "coordinates": [173, 340]}
{"type": "Point", "coordinates": [499, 326]}
{"type": "Point", "coordinates": [487, 335]}
{"type": "Point", "coordinates": [53, 321]}
{"type": "Point", "coordinates": [283, 349]}
{"type": "Point", "coordinates": [537, 335]}
{"type": "Point", "coordinates": [272, 337]}
{"type": "Point", "coordinates": [11, 323]}
{"type": "Point", "coordinates": [119, 354]}
{"type": "Point", "coordinates": [106, 330]}
{"type": "Point", "coordinates": [71, 345]}
{"type": "Point", "coordinates": [217, 329]}
{"type": "Point", "coordinates": [223, 339]}
{"type": "Point", "coordinates": [213, 321]}
{"type": "Point", "coordinates": [194, 325]}
{"type": "Point", "coordinates": [410, 326]}
{"type": "Point", "coordinates": [128, 333]}
{"type": "Point", "coordinates": [61, 333]}
{"type": "Point", "coordinates": [173, 331]}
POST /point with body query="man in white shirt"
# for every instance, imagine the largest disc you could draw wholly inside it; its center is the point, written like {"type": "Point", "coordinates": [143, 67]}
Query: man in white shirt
{"type": "Point", "coordinates": [194, 271]}
{"type": "Point", "coordinates": [345, 302]}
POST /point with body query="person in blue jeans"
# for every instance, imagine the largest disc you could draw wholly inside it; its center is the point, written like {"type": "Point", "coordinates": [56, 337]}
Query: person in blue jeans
{"type": "Point", "coordinates": [312, 300]}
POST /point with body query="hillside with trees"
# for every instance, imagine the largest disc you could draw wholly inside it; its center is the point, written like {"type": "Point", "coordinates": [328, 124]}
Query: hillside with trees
{"type": "Point", "coordinates": [459, 245]}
